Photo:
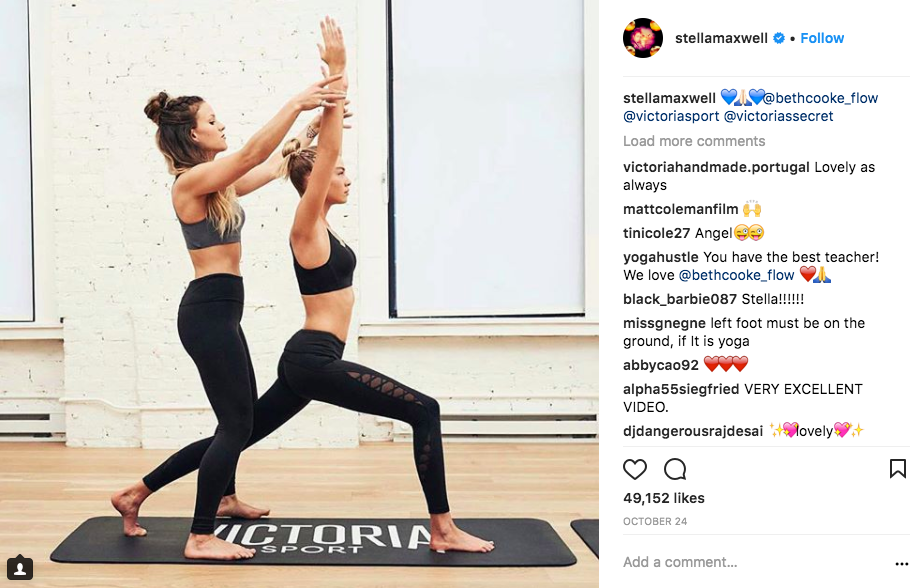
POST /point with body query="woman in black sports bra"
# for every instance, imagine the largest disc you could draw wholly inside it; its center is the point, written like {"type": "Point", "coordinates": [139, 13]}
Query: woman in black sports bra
{"type": "Point", "coordinates": [311, 367]}
{"type": "Point", "coordinates": [204, 197]}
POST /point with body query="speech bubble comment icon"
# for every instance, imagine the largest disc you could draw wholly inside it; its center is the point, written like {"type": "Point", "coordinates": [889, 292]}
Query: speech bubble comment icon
{"type": "Point", "coordinates": [675, 469]}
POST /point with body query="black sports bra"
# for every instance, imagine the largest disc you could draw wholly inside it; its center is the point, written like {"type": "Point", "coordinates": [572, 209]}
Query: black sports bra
{"type": "Point", "coordinates": [335, 274]}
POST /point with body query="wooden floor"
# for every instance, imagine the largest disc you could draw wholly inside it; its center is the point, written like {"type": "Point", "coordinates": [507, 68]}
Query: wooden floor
{"type": "Point", "coordinates": [47, 490]}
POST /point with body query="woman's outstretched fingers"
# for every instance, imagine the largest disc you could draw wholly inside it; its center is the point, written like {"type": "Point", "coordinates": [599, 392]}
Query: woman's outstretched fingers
{"type": "Point", "coordinates": [332, 49]}
{"type": "Point", "coordinates": [334, 95]}
{"type": "Point", "coordinates": [335, 29]}
{"type": "Point", "coordinates": [322, 85]}
{"type": "Point", "coordinates": [329, 79]}
{"type": "Point", "coordinates": [318, 95]}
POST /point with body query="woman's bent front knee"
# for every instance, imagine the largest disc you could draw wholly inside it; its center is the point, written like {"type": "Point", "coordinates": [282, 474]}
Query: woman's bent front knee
{"type": "Point", "coordinates": [427, 415]}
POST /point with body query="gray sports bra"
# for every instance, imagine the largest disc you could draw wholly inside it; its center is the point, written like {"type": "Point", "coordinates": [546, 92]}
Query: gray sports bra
{"type": "Point", "coordinates": [204, 233]}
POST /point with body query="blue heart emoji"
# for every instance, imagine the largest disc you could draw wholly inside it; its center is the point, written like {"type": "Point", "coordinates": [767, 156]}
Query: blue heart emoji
{"type": "Point", "coordinates": [757, 96]}
{"type": "Point", "coordinates": [729, 95]}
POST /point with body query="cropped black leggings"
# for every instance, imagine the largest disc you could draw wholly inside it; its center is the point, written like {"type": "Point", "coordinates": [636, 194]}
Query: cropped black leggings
{"type": "Point", "coordinates": [311, 368]}
{"type": "Point", "coordinates": [209, 329]}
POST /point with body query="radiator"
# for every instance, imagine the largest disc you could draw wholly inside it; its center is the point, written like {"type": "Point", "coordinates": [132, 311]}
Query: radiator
{"type": "Point", "coordinates": [26, 419]}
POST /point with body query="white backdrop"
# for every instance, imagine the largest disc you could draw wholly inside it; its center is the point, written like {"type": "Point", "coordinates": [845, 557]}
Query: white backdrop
{"type": "Point", "coordinates": [16, 284]}
{"type": "Point", "coordinates": [488, 143]}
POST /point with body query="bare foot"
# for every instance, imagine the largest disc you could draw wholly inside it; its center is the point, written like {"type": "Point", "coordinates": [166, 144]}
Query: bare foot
{"type": "Point", "coordinates": [230, 506]}
{"type": "Point", "coordinates": [446, 536]}
{"type": "Point", "coordinates": [211, 547]}
{"type": "Point", "coordinates": [127, 502]}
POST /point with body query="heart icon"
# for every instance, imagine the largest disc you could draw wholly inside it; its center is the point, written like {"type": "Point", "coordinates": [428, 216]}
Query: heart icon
{"type": "Point", "coordinates": [842, 429]}
{"type": "Point", "coordinates": [740, 362]}
{"type": "Point", "coordinates": [791, 429]}
{"type": "Point", "coordinates": [725, 362]}
{"type": "Point", "coordinates": [757, 96]}
{"type": "Point", "coordinates": [632, 467]}
{"type": "Point", "coordinates": [808, 272]}
{"type": "Point", "coordinates": [711, 363]}
{"type": "Point", "coordinates": [729, 95]}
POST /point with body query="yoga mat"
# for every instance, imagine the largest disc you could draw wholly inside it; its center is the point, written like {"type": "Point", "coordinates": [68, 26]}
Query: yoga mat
{"type": "Point", "coordinates": [589, 531]}
{"type": "Point", "coordinates": [327, 542]}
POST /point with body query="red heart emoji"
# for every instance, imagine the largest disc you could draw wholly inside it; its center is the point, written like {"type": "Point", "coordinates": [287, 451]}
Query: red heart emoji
{"type": "Point", "coordinates": [725, 362]}
{"type": "Point", "coordinates": [711, 363]}
{"type": "Point", "coordinates": [740, 362]}
{"type": "Point", "coordinates": [808, 272]}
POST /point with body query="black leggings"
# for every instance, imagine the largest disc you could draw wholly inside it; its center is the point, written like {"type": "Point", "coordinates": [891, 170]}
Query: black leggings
{"type": "Point", "coordinates": [311, 368]}
{"type": "Point", "coordinates": [209, 317]}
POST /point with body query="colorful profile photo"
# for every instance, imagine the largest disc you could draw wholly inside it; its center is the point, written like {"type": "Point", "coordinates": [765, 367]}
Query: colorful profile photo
{"type": "Point", "coordinates": [643, 37]}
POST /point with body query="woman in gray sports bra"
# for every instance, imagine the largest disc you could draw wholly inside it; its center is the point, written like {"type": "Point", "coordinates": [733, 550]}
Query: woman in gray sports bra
{"type": "Point", "coordinates": [204, 233]}
{"type": "Point", "coordinates": [205, 198]}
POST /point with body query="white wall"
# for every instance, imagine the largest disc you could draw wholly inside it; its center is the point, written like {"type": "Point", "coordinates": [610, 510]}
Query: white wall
{"type": "Point", "coordinates": [121, 266]}
{"type": "Point", "coordinates": [121, 263]}
{"type": "Point", "coordinates": [31, 369]}
{"type": "Point", "coordinates": [475, 374]}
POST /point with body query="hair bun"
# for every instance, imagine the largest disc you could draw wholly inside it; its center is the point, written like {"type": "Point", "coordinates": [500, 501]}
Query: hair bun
{"type": "Point", "coordinates": [155, 106]}
{"type": "Point", "coordinates": [291, 147]}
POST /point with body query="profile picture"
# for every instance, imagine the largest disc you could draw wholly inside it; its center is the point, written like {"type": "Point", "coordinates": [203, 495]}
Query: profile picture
{"type": "Point", "coordinates": [643, 37]}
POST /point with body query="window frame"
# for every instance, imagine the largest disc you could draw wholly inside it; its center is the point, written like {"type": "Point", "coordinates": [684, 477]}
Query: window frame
{"type": "Point", "coordinates": [45, 323]}
{"type": "Point", "coordinates": [376, 277]}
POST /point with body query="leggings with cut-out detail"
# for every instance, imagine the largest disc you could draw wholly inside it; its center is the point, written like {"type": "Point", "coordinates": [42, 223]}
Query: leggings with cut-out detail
{"type": "Point", "coordinates": [311, 368]}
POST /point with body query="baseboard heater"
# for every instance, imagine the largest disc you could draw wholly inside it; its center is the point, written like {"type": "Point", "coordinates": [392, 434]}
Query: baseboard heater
{"type": "Point", "coordinates": [31, 426]}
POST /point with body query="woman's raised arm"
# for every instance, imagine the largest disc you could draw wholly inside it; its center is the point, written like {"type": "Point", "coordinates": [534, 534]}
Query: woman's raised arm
{"type": "Point", "coordinates": [213, 176]}
{"type": "Point", "coordinates": [329, 147]}
{"type": "Point", "coordinates": [268, 171]}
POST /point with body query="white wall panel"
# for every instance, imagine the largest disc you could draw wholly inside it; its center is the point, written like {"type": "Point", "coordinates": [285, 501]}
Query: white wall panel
{"type": "Point", "coordinates": [488, 178]}
{"type": "Point", "coordinates": [16, 280]}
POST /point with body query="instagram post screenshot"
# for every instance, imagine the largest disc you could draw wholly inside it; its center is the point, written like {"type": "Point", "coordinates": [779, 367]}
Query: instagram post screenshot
{"type": "Point", "coordinates": [756, 186]}
{"type": "Point", "coordinates": [307, 293]}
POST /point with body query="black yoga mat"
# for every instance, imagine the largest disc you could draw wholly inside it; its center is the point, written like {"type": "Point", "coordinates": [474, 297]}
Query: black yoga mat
{"type": "Point", "coordinates": [327, 542]}
{"type": "Point", "coordinates": [589, 531]}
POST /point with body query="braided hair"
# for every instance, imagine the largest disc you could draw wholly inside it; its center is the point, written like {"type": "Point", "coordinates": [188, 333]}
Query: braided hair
{"type": "Point", "coordinates": [175, 119]}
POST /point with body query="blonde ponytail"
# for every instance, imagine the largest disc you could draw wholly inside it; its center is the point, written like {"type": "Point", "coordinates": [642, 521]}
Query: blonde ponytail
{"type": "Point", "coordinates": [288, 153]}
{"type": "Point", "coordinates": [296, 164]}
